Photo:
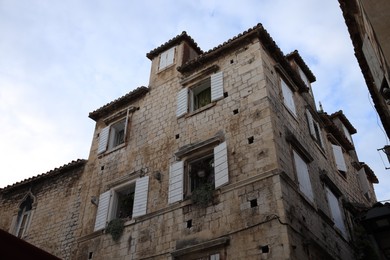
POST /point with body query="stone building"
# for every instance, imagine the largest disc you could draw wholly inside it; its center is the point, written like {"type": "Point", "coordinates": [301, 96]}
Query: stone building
{"type": "Point", "coordinates": [223, 156]}
{"type": "Point", "coordinates": [368, 25]}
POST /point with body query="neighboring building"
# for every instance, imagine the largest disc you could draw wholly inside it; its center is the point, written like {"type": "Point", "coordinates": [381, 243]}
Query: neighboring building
{"type": "Point", "coordinates": [222, 156]}
{"type": "Point", "coordinates": [368, 25]}
{"type": "Point", "coordinates": [45, 210]}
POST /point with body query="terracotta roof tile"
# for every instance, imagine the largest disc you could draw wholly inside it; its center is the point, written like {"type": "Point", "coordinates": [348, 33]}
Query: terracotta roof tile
{"type": "Point", "coordinates": [295, 55]}
{"type": "Point", "coordinates": [119, 102]}
{"type": "Point", "coordinates": [51, 173]}
{"type": "Point", "coordinates": [174, 41]}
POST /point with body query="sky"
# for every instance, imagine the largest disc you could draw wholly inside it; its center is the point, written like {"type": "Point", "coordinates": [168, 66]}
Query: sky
{"type": "Point", "coordinates": [60, 60]}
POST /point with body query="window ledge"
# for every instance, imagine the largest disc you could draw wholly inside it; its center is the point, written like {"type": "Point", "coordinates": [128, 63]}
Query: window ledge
{"type": "Point", "coordinates": [199, 110]}
{"type": "Point", "coordinates": [112, 150]}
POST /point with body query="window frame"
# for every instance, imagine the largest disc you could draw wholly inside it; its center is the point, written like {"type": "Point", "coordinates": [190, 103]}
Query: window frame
{"type": "Point", "coordinates": [303, 176]}
{"type": "Point", "coordinates": [108, 134]}
{"type": "Point", "coordinates": [179, 183]}
{"type": "Point", "coordinates": [336, 212]}
{"type": "Point", "coordinates": [108, 202]}
{"type": "Point", "coordinates": [288, 97]}
{"type": "Point", "coordinates": [314, 129]}
{"type": "Point", "coordinates": [167, 59]}
{"type": "Point", "coordinates": [185, 96]}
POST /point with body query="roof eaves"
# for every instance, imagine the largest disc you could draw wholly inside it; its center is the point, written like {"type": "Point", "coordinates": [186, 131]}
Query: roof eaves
{"type": "Point", "coordinates": [302, 64]}
{"type": "Point", "coordinates": [344, 120]}
{"type": "Point", "coordinates": [212, 53]}
{"type": "Point", "coordinates": [335, 131]}
{"type": "Point", "coordinates": [51, 173]}
{"type": "Point", "coordinates": [122, 101]}
{"type": "Point", "coordinates": [174, 41]}
{"type": "Point", "coordinates": [370, 173]}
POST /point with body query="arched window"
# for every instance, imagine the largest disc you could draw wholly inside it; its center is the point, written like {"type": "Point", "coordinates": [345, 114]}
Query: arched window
{"type": "Point", "coordinates": [23, 217]}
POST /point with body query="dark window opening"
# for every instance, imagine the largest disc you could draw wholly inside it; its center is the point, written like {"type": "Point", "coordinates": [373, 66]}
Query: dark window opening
{"type": "Point", "coordinates": [225, 94]}
{"type": "Point", "coordinates": [23, 216]}
{"type": "Point", "coordinates": [201, 172]}
{"type": "Point", "coordinates": [125, 202]}
{"type": "Point", "coordinates": [90, 255]}
{"type": "Point", "coordinates": [201, 94]}
{"type": "Point", "coordinates": [177, 136]}
{"type": "Point", "coordinates": [189, 223]}
{"type": "Point", "coordinates": [253, 203]}
{"type": "Point", "coordinates": [265, 249]}
{"type": "Point", "coordinates": [235, 111]}
{"type": "Point", "coordinates": [250, 140]}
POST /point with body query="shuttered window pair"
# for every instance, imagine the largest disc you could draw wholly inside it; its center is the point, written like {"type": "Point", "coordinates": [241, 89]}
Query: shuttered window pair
{"type": "Point", "coordinates": [314, 128]}
{"type": "Point", "coordinates": [303, 176]}
{"type": "Point", "coordinates": [113, 135]}
{"type": "Point", "coordinates": [200, 94]}
{"type": "Point", "coordinates": [288, 97]}
{"type": "Point", "coordinates": [166, 58]}
{"type": "Point", "coordinates": [339, 158]}
{"type": "Point", "coordinates": [177, 174]}
{"type": "Point", "coordinates": [126, 201]}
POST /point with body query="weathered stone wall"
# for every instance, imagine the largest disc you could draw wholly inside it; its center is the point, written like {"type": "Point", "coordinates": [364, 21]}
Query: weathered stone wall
{"type": "Point", "coordinates": [55, 218]}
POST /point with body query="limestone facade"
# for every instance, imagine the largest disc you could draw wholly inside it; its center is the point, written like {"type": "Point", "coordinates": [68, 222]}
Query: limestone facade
{"type": "Point", "coordinates": [286, 180]}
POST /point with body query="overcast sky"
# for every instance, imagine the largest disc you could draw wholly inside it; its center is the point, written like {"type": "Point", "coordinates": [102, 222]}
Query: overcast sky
{"type": "Point", "coordinates": [60, 60]}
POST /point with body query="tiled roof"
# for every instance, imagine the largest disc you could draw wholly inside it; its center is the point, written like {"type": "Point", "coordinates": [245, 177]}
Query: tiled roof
{"type": "Point", "coordinates": [335, 131]}
{"type": "Point", "coordinates": [370, 173]}
{"type": "Point", "coordinates": [257, 31]}
{"type": "Point", "coordinates": [117, 103]}
{"type": "Point", "coordinates": [54, 172]}
{"type": "Point", "coordinates": [344, 120]}
{"type": "Point", "coordinates": [298, 59]}
{"type": "Point", "coordinates": [175, 41]}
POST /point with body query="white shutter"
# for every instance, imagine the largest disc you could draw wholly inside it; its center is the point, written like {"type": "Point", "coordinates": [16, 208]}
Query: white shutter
{"type": "Point", "coordinates": [103, 139]}
{"type": "Point", "coordinates": [217, 86]}
{"type": "Point", "coordinates": [335, 211]}
{"type": "Point", "coordinates": [221, 173]}
{"type": "Point", "coordinates": [163, 61]}
{"type": "Point", "coordinates": [311, 123]}
{"type": "Point", "coordinates": [339, 157]}
{"type": "Point", "coordinates": [214, 257]}
{"type": "Point", "coordinates": [102, 212]}
{"type": "Point", "coordinates": [363, 180]}
{"type": "Point", "coordinates": [182, 102]}
{"type": "Point", "coordinates": [319, 134]}
{"type": "Point", "coordinates": [141, 196]}
{"type": "Point", "coordinates": [176, 175]}
{"type": "Point", "coordinates": [303, 176]}
{"type": "Point", "coordinates": [288, 97]}
{"type": "Point", "coordinates": [170, 56]}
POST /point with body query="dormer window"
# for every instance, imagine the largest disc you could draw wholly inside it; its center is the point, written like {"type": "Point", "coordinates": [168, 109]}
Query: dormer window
{"type": "Point", "coordinates": [166, 58]}
{"type": "Point", "coordinates": [112, 136]}
{"type": "Point", "coordinates": [347, 134]}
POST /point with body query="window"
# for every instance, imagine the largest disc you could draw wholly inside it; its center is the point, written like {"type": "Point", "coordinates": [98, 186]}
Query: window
{"type": "Point", "coordinates": [23, 217]}
{"type": "Point", "coordinates": [288, 96]}
{"type": "Point", "coordinates": [335, 211]}
{"type": "Point", "coordinates": [166, 58]}
{"type": "Point", "coordinates": [200, 94]}
{"type": "Point", "coordinates": [314, 128]}
{"type": "Point", "coordinates": [125, 201]}
{"type": "Point", "coordinates": [339, 158]}
{"type": "Point", "coordinates": [303, 176]}
{"type": "Point", "coordinates": [187, 175]}
{"type": "Point", "coordinates": [362, 176]}
{"type": "Point", "coordinates": [112, 136]}
{"type": "Point", "coordinates": [347, 134]}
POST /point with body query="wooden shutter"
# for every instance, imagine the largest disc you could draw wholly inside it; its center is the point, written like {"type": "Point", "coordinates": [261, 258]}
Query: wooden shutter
{"type": "Point", "coordinates": [103, 139]}
{"type": "Point", "coordinates": [182, 102]}
{"type": "Point", "coordinates": [303, 176]}
{"type": "Point", "coordinates": [170, 56]}
{"type": "Point", "coordinates": [288, 97]}
{"type": "Point", "coordinates": [102, 212]}
{"type": "Point", "coordinates": [339, 157]}
{"type": "Point", "coordinates": [217, 86]}
{"type": "Point", "coordinates": [335, 211]}
{"type": "Point", "coordinates": [176, 175]}
{"type": "Point", "coordinates": [141, 196]}
{"type": "Point", "coordinates": [221, 173]}
{"type": "Point", "coordinates": [311, 123]}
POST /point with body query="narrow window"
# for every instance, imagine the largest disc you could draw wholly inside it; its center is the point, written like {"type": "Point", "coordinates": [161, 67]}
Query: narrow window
{"type": "Point", "coordinates": [288, 97]}
{"type": "Point", "coordinates": [303, 176]}
{"type": "Point", "coordinates": [339, 158]}
{"type": "Point", "coordinates": [23, 217]}
{"type": "Point", "coordinates": [335, 211]}
{"type": "Point", "coordinates": [166, 58]}
{"type": "Point", "coordinates": [200, 94]}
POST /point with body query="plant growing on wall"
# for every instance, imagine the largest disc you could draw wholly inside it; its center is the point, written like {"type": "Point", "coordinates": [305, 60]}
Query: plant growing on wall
{"type": "Point", "coordinates": [115, 228]}
{"type": "Point", "coordinates": [203, 194]}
